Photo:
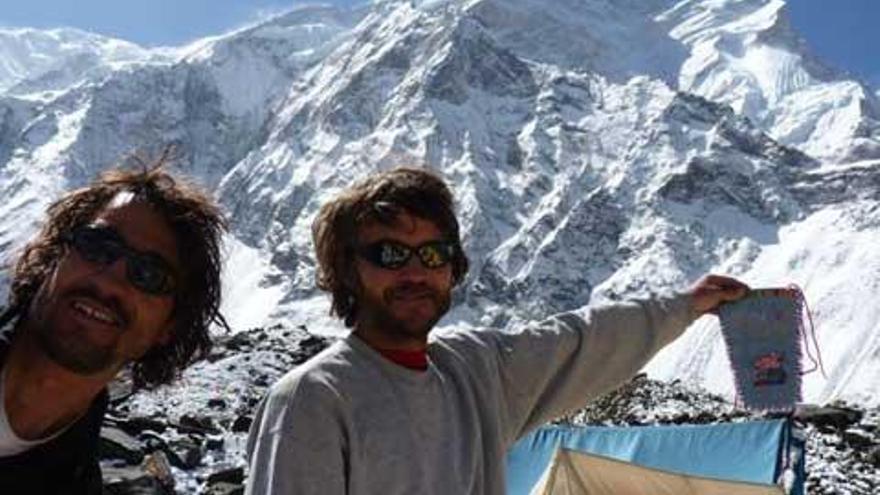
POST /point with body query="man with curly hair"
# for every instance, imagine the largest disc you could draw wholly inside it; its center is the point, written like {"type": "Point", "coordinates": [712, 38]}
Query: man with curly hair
{"type": "Point", "coordinates": [388, 410]}
{"type": "Point", "coordinates": [125, 271]}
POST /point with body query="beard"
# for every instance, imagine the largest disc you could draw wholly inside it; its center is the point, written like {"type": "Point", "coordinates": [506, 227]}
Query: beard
{"type": "Point", "coordinates": [378, 311]}
{"type": "Point", "coordinates": [61, 340]}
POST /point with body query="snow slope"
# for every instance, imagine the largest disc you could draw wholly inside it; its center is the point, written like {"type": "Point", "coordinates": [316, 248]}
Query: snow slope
{"type": "Point", "coordinates": [598, 149]}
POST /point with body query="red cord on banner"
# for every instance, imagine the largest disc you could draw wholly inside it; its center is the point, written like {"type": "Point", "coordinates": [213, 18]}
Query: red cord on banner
{"type": "Point", "coordinates": [817, 361]}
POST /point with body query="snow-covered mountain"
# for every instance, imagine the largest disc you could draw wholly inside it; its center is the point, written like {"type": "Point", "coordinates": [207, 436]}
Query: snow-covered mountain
{"type": "Point", "coordinates": [598, 149]}
{"type": "Point", "coordinates": [746, 54]}
{"type": "Point", "coordinates": [47, 61]}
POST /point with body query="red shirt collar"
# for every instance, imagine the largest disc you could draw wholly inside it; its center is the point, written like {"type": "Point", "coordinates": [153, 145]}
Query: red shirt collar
{"type": "Point", "coordinates": [414, 360]}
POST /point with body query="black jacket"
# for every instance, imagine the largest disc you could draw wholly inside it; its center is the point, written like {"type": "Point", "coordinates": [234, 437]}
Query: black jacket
{"type": "Point", "coordinates": [66, 465]}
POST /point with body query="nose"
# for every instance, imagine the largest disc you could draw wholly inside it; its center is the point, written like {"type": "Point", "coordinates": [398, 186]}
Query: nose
{"type": "Point", "coordinates": [113, 277]}
{"type": "Point", "coordinates": [413, 270]}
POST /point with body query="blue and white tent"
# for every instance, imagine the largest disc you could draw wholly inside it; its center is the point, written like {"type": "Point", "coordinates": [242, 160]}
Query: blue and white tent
{"type": "Point", "coordinates": [760, 457]}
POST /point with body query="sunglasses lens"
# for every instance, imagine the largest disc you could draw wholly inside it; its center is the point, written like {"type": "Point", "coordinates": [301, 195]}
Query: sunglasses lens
{"type": "Point", "coordinates": [392, 255]}
{"type": "Point", "coordinates": [97, 245]}
{"type": "Point", "coordinates": [385, 254]}
{"type": "Point", "coordinates": [150, 274]}
{"type": "Point", "coordinates": [435, 254]}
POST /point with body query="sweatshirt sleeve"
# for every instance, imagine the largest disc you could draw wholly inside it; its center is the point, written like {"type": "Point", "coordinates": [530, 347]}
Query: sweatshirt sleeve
{"type": "Point", "coordinates": [297, 443]}
{"type": "Point", "coordinates": [556, 366]}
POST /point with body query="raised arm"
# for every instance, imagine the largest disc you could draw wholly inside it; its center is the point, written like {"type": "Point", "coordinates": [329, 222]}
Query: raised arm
{"type": "Point", "coordinates": [558, 365]}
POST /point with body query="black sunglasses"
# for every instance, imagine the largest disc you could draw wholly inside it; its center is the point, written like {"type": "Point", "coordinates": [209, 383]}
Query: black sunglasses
{"type": "Point", "coordinates": [103, 245]}
{"type": "Point", "coordinates": [392, 255]}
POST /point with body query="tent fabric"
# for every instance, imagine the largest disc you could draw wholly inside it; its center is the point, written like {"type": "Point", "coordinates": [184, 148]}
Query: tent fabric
{"type": "Point", "coordinates": [754, 452]}
{"type": "Point", "coordinates": [578, 473]}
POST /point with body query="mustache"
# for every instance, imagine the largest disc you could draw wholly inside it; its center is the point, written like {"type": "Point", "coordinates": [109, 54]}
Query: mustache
{"type": "Point", "coordinates": [410, 289]}
{"type": "Point", "coordinates": [111, 302]}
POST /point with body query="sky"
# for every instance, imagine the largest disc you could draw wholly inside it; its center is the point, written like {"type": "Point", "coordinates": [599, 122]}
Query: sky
{"type": "Point", "coordinates": [844, 33]}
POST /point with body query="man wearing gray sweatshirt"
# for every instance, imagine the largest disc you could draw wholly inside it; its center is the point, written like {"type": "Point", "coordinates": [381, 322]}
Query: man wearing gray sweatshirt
{"type": "Point", "coordinates": [389, 410]}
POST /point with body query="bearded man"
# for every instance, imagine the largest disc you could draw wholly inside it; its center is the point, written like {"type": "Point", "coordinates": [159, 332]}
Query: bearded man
{"type": "Point", "coordinates": [394, 410]}
{"type": "Point", "coordinates": [125, 271]}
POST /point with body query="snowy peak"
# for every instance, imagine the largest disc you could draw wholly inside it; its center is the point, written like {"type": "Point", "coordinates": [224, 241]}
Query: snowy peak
{"type": "Point", "coordinates": [744, 53]}
{"type": "Point", "coordinates": [616, 39]}
{"type": "Point", "coordinates": [34, 60]}
{"type": "Point", "coordinates": [252, 66]}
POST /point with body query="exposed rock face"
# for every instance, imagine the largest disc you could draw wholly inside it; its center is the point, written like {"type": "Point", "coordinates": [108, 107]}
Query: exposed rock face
{"type": "Point", "coordinates": [172, 439]}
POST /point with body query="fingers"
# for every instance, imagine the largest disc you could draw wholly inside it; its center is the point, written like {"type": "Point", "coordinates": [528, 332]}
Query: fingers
{"type": "Point", "coordinates": [733, 293]}
{"type": "Point", "coordinates": [713, 290]}
{"type": "Point", "coordinates": [724, 283]}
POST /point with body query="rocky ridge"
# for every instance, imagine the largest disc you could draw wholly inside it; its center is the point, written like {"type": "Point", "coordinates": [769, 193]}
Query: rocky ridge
{"type": "Point", "coordinates": [189, 437]}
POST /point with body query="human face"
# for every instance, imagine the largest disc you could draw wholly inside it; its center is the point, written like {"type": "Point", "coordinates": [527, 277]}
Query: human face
{"type": "Point", "coordinates": [398, 307]}
{"type": "Point", "coordinates": [87, 316]}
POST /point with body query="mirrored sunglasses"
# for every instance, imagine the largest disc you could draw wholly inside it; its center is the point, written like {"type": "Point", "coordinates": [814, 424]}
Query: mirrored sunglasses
{"type": "Point", "coordinates": [393, 255]}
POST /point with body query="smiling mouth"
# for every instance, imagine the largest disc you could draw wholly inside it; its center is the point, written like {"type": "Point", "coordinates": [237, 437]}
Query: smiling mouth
{"type": "Point", "coordinates": [96, 312]}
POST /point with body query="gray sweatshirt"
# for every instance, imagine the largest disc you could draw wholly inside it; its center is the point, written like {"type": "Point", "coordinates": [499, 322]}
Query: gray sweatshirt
{"type": "Point", "coordinates": [349, 421]}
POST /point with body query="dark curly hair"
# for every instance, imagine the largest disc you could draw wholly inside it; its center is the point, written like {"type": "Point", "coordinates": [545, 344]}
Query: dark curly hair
{"type": "Point", "coordinates": [380, 197]}
{"type": "Point", "coordinates": [197, 224]}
